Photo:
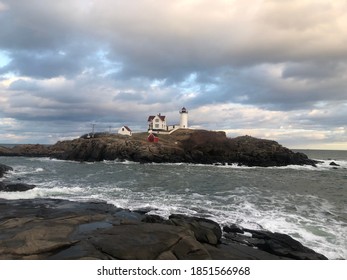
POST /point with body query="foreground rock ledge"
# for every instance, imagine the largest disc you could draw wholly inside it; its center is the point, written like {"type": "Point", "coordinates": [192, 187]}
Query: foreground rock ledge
{"type": "Point", "coordinates": [60, 229]}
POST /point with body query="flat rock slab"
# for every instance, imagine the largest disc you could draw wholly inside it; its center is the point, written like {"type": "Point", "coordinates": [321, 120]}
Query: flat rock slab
{"type": "Point", "coordinates": [149, 242]}
{"type": "Point", "coordinates": [61, 229]}
{"type": "Point", "coordinates": [205, 230]}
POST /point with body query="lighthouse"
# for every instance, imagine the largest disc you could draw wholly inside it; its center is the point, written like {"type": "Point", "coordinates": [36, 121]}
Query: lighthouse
{"type": "Point", "coordinates": [183, 118]}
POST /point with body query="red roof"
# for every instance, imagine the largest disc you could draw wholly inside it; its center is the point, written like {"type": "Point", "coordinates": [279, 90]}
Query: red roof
{"type": "Point", "coordinates": [127, 128]}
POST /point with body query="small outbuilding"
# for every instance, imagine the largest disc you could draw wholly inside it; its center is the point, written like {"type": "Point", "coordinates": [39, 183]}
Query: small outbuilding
{"type": "Point", "coordinates": [124, 130]}
{"type": "Point", "coordinates": [152, 138]}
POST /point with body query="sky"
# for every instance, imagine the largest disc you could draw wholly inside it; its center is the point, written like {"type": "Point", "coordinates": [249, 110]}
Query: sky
{"type": "Point", "coordinates": [274, 69]}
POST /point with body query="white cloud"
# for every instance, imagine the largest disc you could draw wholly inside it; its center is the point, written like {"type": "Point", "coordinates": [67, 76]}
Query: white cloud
{"type": "Point", "coordinates": [3, 7]}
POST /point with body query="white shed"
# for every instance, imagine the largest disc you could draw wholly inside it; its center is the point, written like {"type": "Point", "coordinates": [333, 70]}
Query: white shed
{"type": "Point", "coordinates": [124, 130]}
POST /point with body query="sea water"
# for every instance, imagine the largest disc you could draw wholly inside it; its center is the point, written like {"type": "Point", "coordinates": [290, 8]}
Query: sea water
{"type": "Point", "coordinates": [308, 203]}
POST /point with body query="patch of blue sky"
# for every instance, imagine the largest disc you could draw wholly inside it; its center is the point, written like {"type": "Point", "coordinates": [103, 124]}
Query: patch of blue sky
{"type": "Point", "coordinates": [210, 87]}
{"type": "Point", "coordinates": [4, 58]}
{"type": "Point", "coordinates": [109, 67]}
{"type": "Point", "coordinates": [190, 84]}
{"type": "Point", "coordinates": [157, 83]}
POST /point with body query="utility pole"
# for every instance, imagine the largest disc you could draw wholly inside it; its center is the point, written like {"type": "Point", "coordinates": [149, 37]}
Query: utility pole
{"type": "Point", "coordinates": [93, 129]}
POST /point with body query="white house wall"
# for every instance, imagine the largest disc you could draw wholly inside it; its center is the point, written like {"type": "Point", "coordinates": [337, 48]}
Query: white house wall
{"type": "Point", "coordinates": [124, 131]}
{"type": "Point", "coordinates": [158, 123]}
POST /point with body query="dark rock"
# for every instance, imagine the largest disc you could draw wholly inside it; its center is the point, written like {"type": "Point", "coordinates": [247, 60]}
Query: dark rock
{"type": "Point", "coordinates": [144, 210]}
{"type": "Point", "coordinates": [235, 251]}
{"type": "Point", "coordinates": [284, 245]}
{"type": "Point", "coordinates": [153, 219]}
{"type": "Point", "coordinates": [60, 229]}
{"type": "Point", "coordinates": [4, 151]}
{"type": "Point", "coordinates": [188, 248]}
{"type": "Point", "coordinates": [205, 230]}
{"type": "Point", "coordinates": [192, 146]}
{"type": "Point", "coordinates": [276, 243]}
{"type": "Point", "coordinates": [128, 217]}
{"type": "Point", "coordinates": [244, 239]}
{"type": "Point", "coordinates": [4, 169]}
{"type": "Point", "coordinates": [233, 228]}
{"type": "Point", "coordinates": [139, 242]}
{"type": "Point", "coordinates": [333, 164]}
{"type": "Point", "coordinates": [27, 150]}
{"type": "Point", "coordinates": [15, 187]}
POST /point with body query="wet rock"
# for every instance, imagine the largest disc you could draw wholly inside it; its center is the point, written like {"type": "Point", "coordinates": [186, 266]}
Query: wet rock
{"type": "Point", "coordinates": [60, 229]}
{"type": "Point", "coordinates": [15, 187]}
{"type": "Point", "coordinates": [205, 230]}
{"type": "Point", "coordinates": [284, 245]}
{"type": "Point", "coordinates": [235, 251]}
{"type": "Point", "coordinates": [36, 240]}
{"type": "Point", "coordinates": [153, 219]}
{"type": "Point", "coordinates": [188, 248]}
{"type": "Point", "coordinates": [333, 164]}
{"type": "Point", "coordinates": [233, 228]}
{"type": "Point", "coordinates": [245, 239]}
{"type": "Point", "coordinates": [128, 217]}
{"type": "Point", "coordinates": [278, 244]}
{"type": "Point", "coordinates": [148, 242]}
{"type": "Point", "coordinates": [3, 169]}
{"type": "Point", "coordinates": [7, 186]}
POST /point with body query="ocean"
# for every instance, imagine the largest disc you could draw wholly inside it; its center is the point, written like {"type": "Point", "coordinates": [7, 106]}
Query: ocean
{"type": "Point", "coordinates": [308, 203]}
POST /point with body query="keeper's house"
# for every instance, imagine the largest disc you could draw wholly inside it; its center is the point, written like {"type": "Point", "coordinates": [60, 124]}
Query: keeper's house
{"type": "Point", "coordinates": [157, 122]}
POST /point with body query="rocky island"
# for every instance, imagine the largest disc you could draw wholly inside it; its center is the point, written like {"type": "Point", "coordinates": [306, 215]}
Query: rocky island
{"type": "Point", "coordinates": [184, 145]}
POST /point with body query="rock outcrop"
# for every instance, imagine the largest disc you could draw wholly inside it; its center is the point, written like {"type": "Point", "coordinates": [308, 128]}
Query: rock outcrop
{"type": "Point", "coordinates": [274, 243]}
{"type": "Point", "coordinates": [4, 169]}
{"type": "Point", "coordinates": [184, 145]}
{"type": "Point", "coordinates": [6, 186]}
{"type": "Point", "coordinates": [60, 229]}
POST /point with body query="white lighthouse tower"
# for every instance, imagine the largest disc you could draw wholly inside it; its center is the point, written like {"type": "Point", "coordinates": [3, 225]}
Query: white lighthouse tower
{"type": "Point", "coordinates": [184, 118]}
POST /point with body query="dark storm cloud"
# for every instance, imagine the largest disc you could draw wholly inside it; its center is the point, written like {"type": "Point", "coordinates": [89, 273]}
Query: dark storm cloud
{"type": "Point", "coordinates": [45, 40]}
{"type": "Point", "coordinates": [37, 25]}
{"type": "Point", "coordinates": [276, 87]}
{"type": "Point", "coordinates": [46, 64]}
{"type": "Point", "coordinates": [23, 85]}
{"type": "Point", "coordinates": [315, 70]}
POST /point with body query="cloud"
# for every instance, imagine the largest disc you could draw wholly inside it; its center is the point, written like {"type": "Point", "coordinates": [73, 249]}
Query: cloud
{"type": "Point", "coordinates": [3, 7]}
{"type": "Point", "coordinates": [40, 65]}
{"type": "Point", "coordinates": [251, 63]}
{"type": "Point", "coordinates": [314, 70]}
